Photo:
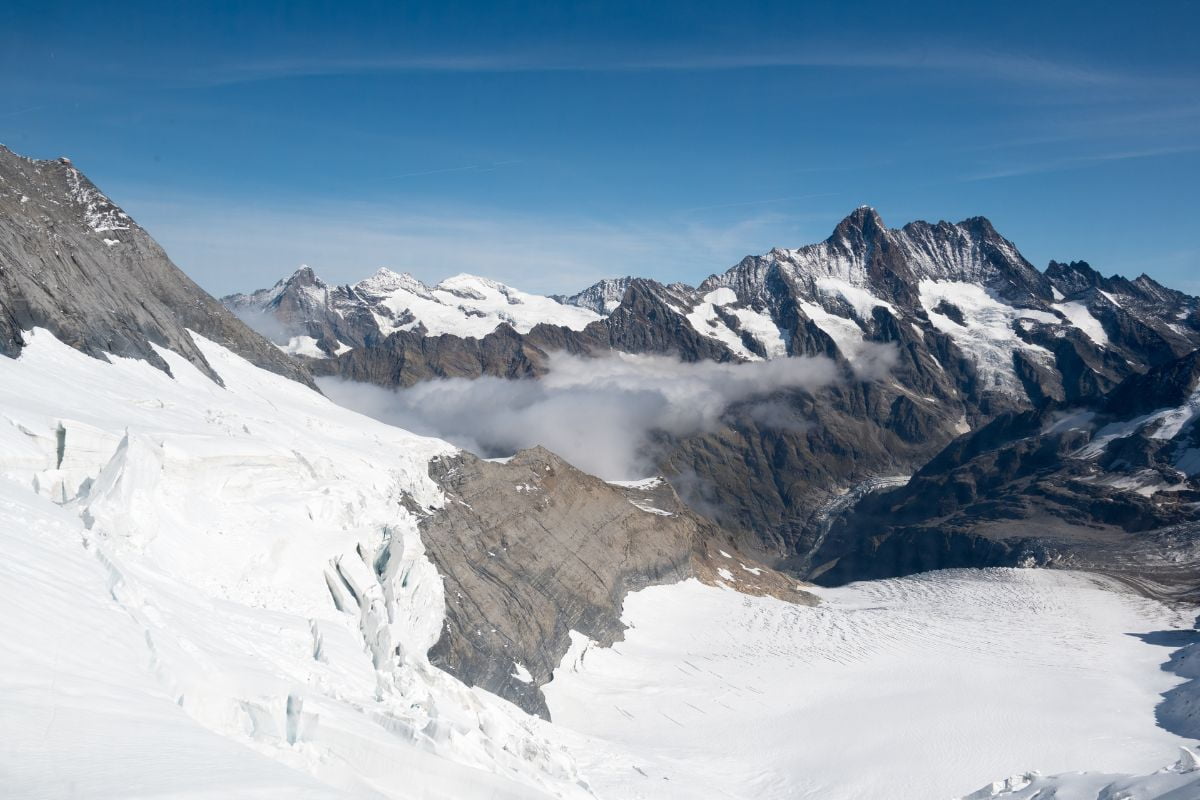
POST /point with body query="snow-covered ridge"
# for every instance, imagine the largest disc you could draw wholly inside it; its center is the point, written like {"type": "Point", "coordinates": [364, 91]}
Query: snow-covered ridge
{"type": "Point", "coordinates": [603, 297]}
{"type": "Point", "coordinates": [913, 274]}
{"type": "Point", "coordinates": [865, 286]}
{"type": "Point", "coordinates": [968, 251]}
{"type": "Point", "coordinates": [387, 302]}
{"type": "Point", "coordinates": [100, 212]}
{"type": "Point", "coordinates": [1180, 781]}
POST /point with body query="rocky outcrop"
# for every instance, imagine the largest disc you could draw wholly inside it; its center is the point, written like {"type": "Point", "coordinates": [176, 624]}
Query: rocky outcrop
{"type": "Point", "coordinates": [409, 357]}
{"type": "Point", "coordinates": [532, 549]}
{"type": "Point", "coordinates": [74, 263]}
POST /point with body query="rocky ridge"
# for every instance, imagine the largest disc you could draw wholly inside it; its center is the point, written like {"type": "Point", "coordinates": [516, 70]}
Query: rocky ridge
{"type": "Point", "coordinates": [74, 263]}
{"type": "Point", "coordinates": [532, 549]}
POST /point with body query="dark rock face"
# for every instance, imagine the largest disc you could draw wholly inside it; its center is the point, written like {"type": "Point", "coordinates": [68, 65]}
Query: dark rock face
{"type": "Point", "coordinates": [532, 549]}
{"type": "Point", "coordinates": [769, 477]}
{"type": "Point", "coordinates": [409, 357]}
{"type": "Point", "coordinates": [73, 263]}
{"type": "Point", "coordinates": [1167, 386]}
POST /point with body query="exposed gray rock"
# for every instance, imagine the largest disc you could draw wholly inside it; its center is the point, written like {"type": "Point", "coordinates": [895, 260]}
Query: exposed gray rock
{"type": "Point", "coordinates": [74, 263]}
{"type": "Point", "coordinates": [532, 549]}
{"type": "Point", "coordinates": [409, 357]}
{"type": "Point", "coordinates": [303, 304]}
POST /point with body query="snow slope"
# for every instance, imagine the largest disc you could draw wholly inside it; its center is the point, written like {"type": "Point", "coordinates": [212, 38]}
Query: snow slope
{"type": "Point", "coordinates": [208, 587]}
{"type": "Point", "coordinates": [987, 332]}
{"type": "Point", "coordinates": [82, 714]}
{"type": "Point", "coordinates": [916, 688]}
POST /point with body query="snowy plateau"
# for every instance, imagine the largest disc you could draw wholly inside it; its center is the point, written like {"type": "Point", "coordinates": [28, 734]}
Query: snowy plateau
{"type": "Point", "coordinates": [221, 591]}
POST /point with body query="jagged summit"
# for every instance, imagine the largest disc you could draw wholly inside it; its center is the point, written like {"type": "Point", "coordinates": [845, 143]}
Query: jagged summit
{"type": "Point", "coordinates": [860, 226]}
{"type": "Point", "coordinates": [305, 276]}
{"type": "Point", "coordinates": [75, 263]}
{"type": "Point", "coordinates": [892, 264]}
{"type": "Point", "coordinates": [601, 297]}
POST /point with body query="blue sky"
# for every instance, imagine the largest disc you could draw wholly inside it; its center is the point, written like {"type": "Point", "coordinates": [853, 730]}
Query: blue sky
{"type": "Point", "coordinates": [549, 145]}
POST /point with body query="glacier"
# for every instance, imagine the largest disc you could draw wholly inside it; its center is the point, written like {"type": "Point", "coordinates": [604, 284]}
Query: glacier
{"type": "Point", "coordinates": [198, 600]}
{"type": "Point", "coordinates": [216, 591]}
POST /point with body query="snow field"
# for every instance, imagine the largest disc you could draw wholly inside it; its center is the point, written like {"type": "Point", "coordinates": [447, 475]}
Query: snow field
{"type": "Point", "coordinates": [917, 688]}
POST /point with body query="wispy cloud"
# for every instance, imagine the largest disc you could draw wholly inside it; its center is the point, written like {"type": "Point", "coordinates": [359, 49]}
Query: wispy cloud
{"type": "Point", "coordinates": [1010, 66]}
{"type": "Point", "coordinates": [1158, 120]}
{"type": "Point", "coordinates": [1079, 162]}
{"type": "Point", "coordinates": [27, 110]}
{"type": "Point", "coordinates": [492, 167]}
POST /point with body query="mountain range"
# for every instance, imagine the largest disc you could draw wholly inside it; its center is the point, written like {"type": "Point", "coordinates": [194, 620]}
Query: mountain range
{"type": "Point", "coordinates": [1008, 392]}
{"type": "Point", "coordinates": [218, 579]}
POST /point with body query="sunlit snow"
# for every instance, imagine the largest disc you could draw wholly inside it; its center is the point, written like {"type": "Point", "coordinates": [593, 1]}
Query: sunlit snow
{"type": "Point", "coordinates": [909, 689]}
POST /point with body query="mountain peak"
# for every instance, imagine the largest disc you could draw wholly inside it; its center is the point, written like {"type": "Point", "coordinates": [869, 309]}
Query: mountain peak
{"type": "Point", "coordinates": [863, 221]}
{"type": "Point", "coordinates": [304, 276]}
{"type": "Point", "coordinates": [101, 284]}
{"type": "Point", "coordinates": [386, 280]}
{"type": "Point", "coordinates": [602, 297]}
{"type": "Point", "coordinates": [980, 226]}
{"type": "Point", "coordinates": [468, 281]}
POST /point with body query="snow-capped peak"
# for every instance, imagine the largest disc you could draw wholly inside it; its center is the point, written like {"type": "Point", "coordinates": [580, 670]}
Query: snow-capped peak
{"type": "Point", "coordinates": [305, 275]}
{"type": "Point", "coordinates": [469, 282]}
{"type": "Point", "coordinates": [385, 280]}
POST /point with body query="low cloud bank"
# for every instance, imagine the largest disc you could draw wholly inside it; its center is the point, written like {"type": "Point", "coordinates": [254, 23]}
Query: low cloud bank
{"type": "Point", "coordinates": [264, 324]}
{"type": "Point", "coordinates": [600, 414]}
